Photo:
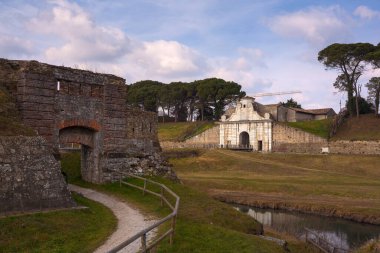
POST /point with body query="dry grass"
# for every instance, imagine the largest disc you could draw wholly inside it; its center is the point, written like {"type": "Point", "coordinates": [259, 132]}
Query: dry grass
{"type": "Point", "coordinates": [339, 185]}
{"type": "Point", "coordinates": [366, 127]}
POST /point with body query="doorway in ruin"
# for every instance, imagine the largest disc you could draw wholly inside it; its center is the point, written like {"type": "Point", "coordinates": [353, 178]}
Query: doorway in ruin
{"type": "Point", "coordinates": [84, 140]}
{"type": "Point", "coordinates": [244, 139]}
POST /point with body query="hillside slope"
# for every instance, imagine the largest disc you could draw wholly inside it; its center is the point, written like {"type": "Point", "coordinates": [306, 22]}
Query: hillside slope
{"type": "Point", "coordinates": [317, 127]}
{"type": "Point", "coordinates": [366, 127]}
{"type": "Point", "coordinates": [180, 131]}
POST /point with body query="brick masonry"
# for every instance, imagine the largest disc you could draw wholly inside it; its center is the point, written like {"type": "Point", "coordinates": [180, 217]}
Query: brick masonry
{"type": "Point", "coordinates": [66, 105]}
{"type": "Point", "coordinates": [30, 177]}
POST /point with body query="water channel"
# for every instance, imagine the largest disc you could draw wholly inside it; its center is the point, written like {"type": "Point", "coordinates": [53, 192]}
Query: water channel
{"type": "Point", "coordinates": [341, 233]}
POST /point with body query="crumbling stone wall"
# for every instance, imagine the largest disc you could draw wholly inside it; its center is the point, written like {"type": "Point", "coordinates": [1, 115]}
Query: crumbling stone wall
{"type": "Point", "coordinates": [30, 177]}
{"type": "Point", "coordinates": [70, 105]}
{"type": "Point", "coordinates": [355, 147]}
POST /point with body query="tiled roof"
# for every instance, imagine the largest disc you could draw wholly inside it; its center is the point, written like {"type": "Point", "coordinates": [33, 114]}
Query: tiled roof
{"type": "Point", "coordinates": [273, 105]}
{"type": "Point", "coordinates": [312, 111]}
{"type": "Point", "coordinates": [320, 111]}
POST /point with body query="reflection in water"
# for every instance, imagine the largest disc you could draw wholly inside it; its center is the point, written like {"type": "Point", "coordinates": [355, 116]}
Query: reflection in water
{"type": "Point", "coordinates": [338, 232]}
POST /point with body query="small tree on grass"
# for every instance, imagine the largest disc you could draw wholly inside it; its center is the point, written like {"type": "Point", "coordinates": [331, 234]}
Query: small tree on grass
{"type": "Point", "coordinates": [374, 92]}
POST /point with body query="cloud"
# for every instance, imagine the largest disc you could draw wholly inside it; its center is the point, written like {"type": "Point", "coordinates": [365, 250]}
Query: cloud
{"type": "Point", "coordinates": [12, 46]}
{"type": "Point", "coordinates": [81, 42]}
{"type": "Point", "coordinates": [366, 13]}
{"type": "Point", "coordinates": [246, 69]}
{"type": "Point", "coordinates": [316, 25]}
{"type": "Point", "coordinates": [170, 57]}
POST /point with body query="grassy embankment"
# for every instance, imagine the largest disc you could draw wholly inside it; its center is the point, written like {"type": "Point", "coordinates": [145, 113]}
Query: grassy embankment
{"type": "Point", "coordinates": [336, 185]}
{"type": "Point", "coordinates": [203, 224]}
{"type": "Point", "coordinates": [366, 128]}
{"type": "Point", "coordinates": [61, 231]}
{"type": "Point", "coordinates": [181, 131]}
{"type": "Point", "coordinates": [317, 127]}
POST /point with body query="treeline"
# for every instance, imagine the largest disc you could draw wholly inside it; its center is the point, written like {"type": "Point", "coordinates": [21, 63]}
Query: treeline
{"type": "Point", "coordinates": [198, 100]}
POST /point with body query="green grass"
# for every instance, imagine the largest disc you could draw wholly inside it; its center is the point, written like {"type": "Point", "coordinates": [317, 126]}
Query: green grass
{"type": "Point", "coordinates": [317, 127]}
{"type": "Point", "coordinates": [60, 231]}
{"type": "Point", "coordinates": [203, 224]}
{"type": "Point", "coordinates": [180, 131]}
{"type": "Point", "coordinates": [342, 185]}
{"type": "Point", "coordinates": [366, 128]}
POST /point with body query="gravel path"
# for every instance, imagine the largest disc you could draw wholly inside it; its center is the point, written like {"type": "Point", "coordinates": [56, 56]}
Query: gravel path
{"type": "Point", "coordinates": [130, 220]}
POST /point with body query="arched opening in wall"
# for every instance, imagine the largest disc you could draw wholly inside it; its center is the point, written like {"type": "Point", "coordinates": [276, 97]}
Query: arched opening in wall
{"type": "Point", "coordinates": [80, 141]}
{"type": "Point", "coordinates": [244, 140]}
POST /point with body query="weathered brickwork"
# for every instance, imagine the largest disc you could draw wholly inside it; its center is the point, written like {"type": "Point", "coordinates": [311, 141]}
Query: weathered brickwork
{"type": "Point", "coordinates": [66, 105]}
{"type": "Point", "coordinates": [30, 177]}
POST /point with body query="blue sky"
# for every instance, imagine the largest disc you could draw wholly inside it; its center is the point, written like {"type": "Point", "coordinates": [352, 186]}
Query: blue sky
{"type": "Point", "coordinates": [266, 46]}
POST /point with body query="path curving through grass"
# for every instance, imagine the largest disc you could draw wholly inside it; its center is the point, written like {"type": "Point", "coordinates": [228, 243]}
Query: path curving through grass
{"type": "Point", "coordinates": [130, 220]}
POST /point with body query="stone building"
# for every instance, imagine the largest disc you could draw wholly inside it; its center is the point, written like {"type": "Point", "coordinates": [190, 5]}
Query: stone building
{"type": "Point", "coordinates": [282, 113]}
{"type": "Point", "coordinates": [65, 105]}
{"type": "Point", "coordinates": [246, 127]}
{"type": "Point", "coordinates": [254, 126]}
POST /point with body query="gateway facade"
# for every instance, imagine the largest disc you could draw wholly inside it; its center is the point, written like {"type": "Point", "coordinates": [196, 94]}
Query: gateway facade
{"type": "Point", "coordinates": [246, 127]}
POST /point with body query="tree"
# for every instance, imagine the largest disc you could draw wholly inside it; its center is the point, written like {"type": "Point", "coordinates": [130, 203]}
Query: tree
{"type": "Point", "coordinates": [341, 84]}
{"type": "Point", "coordinates": [291, 103]}
{"type": "Point", "coordinates": [350, 60]}
{"type": "Point", "coordinates": [144, 94]}
{"type": "Point", "coordinates": [363, 106]}
{"type": "Point", "coordinates": [216, 93]}
{"type": "Point", "coordinates": [373, 87]}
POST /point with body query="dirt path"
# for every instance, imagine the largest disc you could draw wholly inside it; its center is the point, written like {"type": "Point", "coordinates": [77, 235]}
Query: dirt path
{"type": "Point", "coordinates": [130, 220]}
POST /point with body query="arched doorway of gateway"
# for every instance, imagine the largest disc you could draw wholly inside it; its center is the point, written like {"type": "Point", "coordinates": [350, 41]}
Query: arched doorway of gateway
{"type": "Point", "coordinates": [244, 140]}
{"type": "Point", "coordinates": [84, 140]}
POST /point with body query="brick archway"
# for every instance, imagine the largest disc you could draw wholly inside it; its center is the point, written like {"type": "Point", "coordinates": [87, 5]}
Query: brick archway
{"type": "Point", "coordinates": [89, 124]}
{"type": "Point", "coordinates": [87, 137]}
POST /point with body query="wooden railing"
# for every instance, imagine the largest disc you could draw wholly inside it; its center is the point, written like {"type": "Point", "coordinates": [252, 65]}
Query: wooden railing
{"type": "Point", "coordinates": [239, 147]}
{"type": "Point", "coordinates": [145, 245]}
{"type": "Point", "coordinates": [321, 243]}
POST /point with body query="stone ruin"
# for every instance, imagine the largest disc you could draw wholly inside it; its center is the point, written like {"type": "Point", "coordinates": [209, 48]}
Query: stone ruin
{"type": "Point", "coordinates": [65, 105]}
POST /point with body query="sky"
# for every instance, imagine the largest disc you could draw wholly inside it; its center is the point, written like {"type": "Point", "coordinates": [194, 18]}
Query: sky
{"type": "Point", "coordinates": [263, 45]}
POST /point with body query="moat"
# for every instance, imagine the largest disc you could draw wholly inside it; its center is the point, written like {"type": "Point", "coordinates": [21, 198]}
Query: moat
{"type": "Point", "coordinates": [341, 233]}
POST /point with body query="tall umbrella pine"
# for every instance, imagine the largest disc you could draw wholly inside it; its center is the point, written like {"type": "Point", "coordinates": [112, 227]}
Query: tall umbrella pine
{"type": "Point", "coordinates": [350, 61]}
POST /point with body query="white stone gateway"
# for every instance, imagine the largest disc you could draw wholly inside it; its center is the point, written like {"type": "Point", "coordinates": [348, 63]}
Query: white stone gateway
{"type": "Point", "coordinates": [246, 128]}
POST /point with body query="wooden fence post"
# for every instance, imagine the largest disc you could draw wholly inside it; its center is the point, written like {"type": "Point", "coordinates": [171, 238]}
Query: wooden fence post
{"type": "Point", "coordinates": [173, 228]}
{"type": "Point", "coordinates": [143, 243]}
{"type": "Point", "coordinates": [144, 187]}
{"type": "Point", "coordinates": [162, 196]}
